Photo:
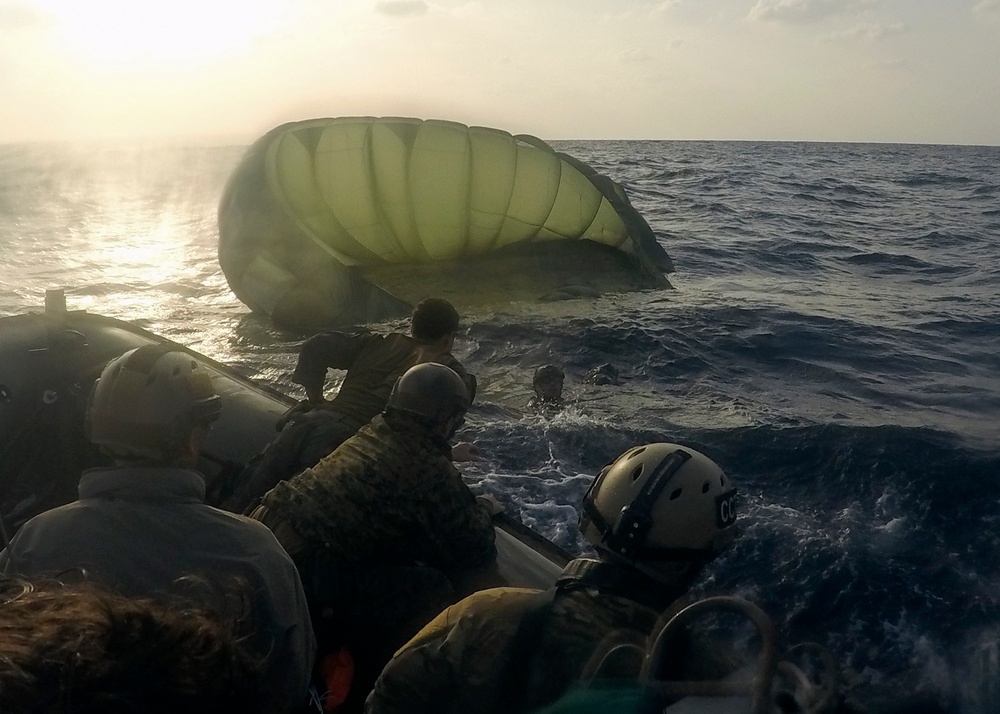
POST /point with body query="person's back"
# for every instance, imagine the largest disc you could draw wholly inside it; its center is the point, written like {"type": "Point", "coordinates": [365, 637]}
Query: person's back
{"type": "Point", "coordinates": [472, 653]}
{"type": "Point", "coordinates": [142, 527]}
{"type": "Point", "coordinates": [390, 493]}
{"type": "Point", "coordinates": [656, 515]}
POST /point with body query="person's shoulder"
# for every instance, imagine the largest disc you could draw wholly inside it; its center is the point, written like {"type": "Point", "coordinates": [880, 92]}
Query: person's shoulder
{"type": "Point", "coordinates": [54, 517]}
{"type": "Point", "coordinates": [476, 611]}
{"type": "Point", "coordinates": [249, 528]}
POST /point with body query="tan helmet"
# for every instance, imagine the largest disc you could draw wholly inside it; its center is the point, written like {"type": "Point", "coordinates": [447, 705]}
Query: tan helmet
{"type": "Point", "coordinates": [661, 502]}
{"type": "Point", "coordinates": [146, 402]}
{"type": "Point", "coordinates": [430, 390]}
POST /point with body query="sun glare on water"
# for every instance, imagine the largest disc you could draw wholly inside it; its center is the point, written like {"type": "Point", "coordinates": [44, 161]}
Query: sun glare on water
{"type": "Point", "coordinates": [125, 33]}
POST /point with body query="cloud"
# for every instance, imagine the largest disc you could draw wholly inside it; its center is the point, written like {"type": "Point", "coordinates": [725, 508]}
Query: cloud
{"type": "Point", "coordinates": [634, 55]}
{"type": "Point", "coordinates": [22, 17]}
{"type": "Point", "coordinates": [868, 32]}
{"type": "Point", "coordinates": [988, 8]}
{"type": "Point", "coordinates": [803, 11]}
{"type": "Point", "coordinates": [401, 8]}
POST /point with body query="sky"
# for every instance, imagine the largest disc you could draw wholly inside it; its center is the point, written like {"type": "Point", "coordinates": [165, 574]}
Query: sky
{"type": "Point", "coordinates": [920, 71]}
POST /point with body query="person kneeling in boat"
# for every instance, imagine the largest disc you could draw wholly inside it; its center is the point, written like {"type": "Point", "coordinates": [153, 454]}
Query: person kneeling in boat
{"type": "Point", "coordinates": [656, 516]}
{"type": "Point", "coordinates": [142, 528]}
{"type": "Point", "coordinates": [316, 426]}
{"type": "Point", "coordinates": [382, 527]}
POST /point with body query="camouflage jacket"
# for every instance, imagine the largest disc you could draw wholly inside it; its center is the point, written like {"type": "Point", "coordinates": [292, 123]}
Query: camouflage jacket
{"type": "Point", "coordinates": [388, 495]}
{"type": "Point", "coordinates": [373, 363]}
{"type": "Point", "coordinates": [457, 662]}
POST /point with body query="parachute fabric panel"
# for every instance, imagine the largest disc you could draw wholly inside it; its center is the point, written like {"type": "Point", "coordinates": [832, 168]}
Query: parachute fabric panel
{"type": "Point", "coordinates": [339, 221]}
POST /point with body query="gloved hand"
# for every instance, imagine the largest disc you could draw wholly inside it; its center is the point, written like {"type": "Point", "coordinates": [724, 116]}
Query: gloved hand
{"type": "Point", "coordinates": [489, 503]}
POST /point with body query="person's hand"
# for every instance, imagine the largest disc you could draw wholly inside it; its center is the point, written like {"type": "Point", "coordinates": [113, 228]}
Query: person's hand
{"type": "Point", "coordinates": [465, 451]}
{"type": "Point", "coordinates": [299, 408]}
{"type": "Point", "coordinates": [490, 503]}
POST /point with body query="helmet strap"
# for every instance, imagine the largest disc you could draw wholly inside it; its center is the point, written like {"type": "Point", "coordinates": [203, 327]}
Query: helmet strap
{"type": "Point", "coordinates": [628, 536]}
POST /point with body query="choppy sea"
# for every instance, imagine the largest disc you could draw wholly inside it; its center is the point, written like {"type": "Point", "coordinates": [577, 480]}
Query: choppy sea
{"type": "Point", "coordinates": [832, 341]}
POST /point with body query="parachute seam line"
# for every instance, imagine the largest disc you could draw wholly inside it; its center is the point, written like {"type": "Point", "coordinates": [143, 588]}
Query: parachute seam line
{"type": "Point", "coordinates": [555, 196]}
{"type": "Point", "coordinates": [380, 213]}
{"type": "Point", "coordinates": [343, 232]}
{"type": "Point", "coordinates": [271, 162]}
{"type": "Point", "coordinates": [510, 195]}
{"type": "Point", "coordinates": [604, 198]}
{"type": "Point", "coordinates": [593, 216]}
{"type": "Point", "coordinates": [468, 183]}
{"type": "Point", "coordinates": [409, 192]}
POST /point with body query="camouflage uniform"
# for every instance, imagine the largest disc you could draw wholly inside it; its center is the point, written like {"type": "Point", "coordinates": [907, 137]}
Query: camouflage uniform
{"type": "Point", "coordinates": [457, 662]}
{"type": "Point", "coordinates": [388, 495]}
{"type": "Point", "coordinates": [374, 527]}
{"type": "Point", "coordinates": [373, 363]}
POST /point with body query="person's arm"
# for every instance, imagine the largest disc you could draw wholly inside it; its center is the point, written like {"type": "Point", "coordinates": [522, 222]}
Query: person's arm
{"type": "Point", "coordinates": [461, 527]}
{"type": "Point", "coordinates": [426, 674]}
{"type": "Point", "coordinates": [321, 352]}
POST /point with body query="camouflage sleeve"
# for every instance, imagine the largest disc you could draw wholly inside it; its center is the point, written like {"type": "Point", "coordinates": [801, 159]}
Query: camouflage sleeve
{"type": "Point", "coordinates": [418, 679]}
{"type": "Point", "coordinates": [319, 353]}
{"type": "Point", "coordinates": [451, 665]}
{"type": "Point", "coordinates": [464, 535]}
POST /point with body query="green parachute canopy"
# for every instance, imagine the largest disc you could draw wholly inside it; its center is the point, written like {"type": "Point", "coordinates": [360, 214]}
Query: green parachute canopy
{"type": "Point", "coordinates": [342, 221]}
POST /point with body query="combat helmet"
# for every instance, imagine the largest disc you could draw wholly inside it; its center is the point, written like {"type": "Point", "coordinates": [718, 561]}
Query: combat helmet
{"type": "Point", "coordinates": [146, 402]}
{"type": "Point", "coordinates": [661, 502]}
{"type": "Point", "coordinates": [432, 391]}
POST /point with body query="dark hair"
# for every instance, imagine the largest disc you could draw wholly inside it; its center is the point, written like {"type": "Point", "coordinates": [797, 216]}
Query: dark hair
{"type": "Point", "coordinates": [548, 372]}
{"type": "Point", "coordinates": [433, 318]}
{"type": "Point", "coordinates": [84, 649]}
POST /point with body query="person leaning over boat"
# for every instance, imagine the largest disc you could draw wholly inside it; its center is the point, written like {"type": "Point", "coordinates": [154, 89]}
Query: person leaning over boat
{"type": "Point", "coordinates": [142, 528]}
{"type": "Point", "coordinates": [656, 516]}
{"type": "Point", "coordinates": [316, 426]}
{"type": "Point", "coordinates": [383, 526]}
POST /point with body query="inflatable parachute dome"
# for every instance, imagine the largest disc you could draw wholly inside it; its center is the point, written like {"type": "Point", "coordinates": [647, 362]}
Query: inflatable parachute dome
{"type": "Point", "coordinates": [334, 222]}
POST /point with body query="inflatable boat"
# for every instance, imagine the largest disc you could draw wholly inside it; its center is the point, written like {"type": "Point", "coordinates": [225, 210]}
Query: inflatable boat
{"type": "Point", "coordinates": [48, 362]}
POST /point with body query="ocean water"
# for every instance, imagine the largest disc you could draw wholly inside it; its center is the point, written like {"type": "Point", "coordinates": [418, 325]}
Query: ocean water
{"type": "Point", "coordinates": [832, 341]}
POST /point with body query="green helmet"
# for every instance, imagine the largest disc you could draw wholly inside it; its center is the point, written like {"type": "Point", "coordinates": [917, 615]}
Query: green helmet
{"type": "Point", "coordinates": [430, 390]}
{"type": "Point", "coordinates": [146, 402]}
{"type": "Point", "coordinates": [661, 502]}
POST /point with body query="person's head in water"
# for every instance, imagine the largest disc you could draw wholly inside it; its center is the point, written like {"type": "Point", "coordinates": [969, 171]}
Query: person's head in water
{"type": "Point", "coordinates": [602, 374]}
{"type": "Point", "coordinates": [547, 383]}
{"type": "Point", "coordinates": [433, 319]}
{"type": "Point", "coordinates": [662, 509]}
{"type": "Point", "coordinates": [152, 404]}
{"type": "Point", "coordinates": [83, 648]}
